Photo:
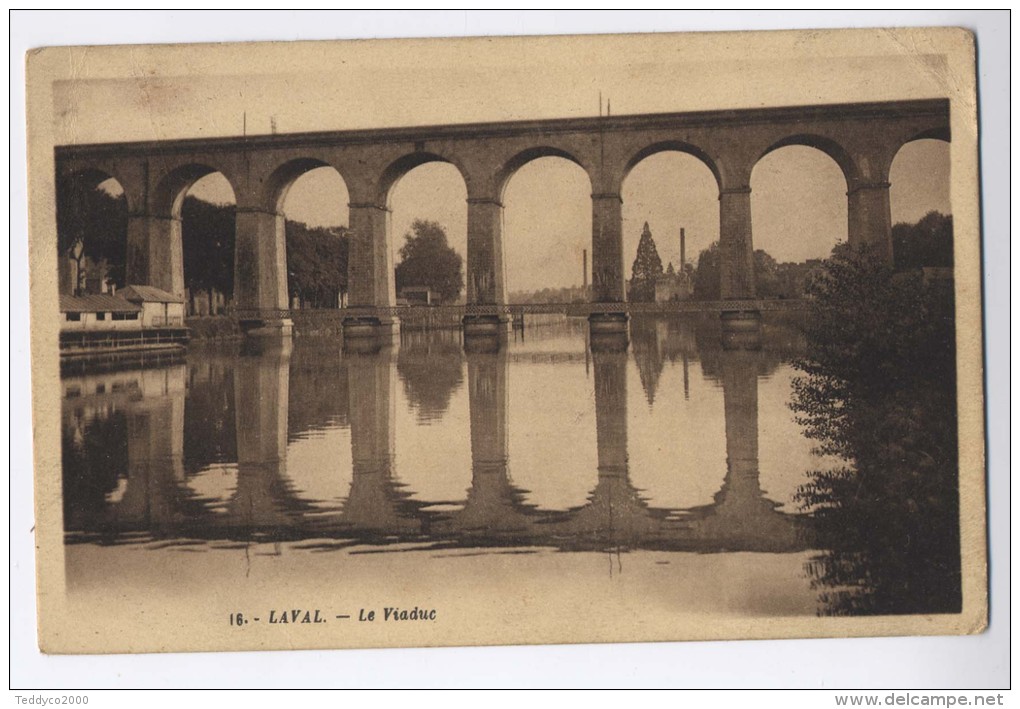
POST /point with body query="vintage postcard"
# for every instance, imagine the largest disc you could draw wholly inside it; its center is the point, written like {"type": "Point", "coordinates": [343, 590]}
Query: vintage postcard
{"type": "Point", "coordinates": [506, 340]}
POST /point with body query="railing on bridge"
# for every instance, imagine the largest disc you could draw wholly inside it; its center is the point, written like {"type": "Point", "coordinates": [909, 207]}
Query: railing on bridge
{"type": "Point", "coordinates": [451, 312]}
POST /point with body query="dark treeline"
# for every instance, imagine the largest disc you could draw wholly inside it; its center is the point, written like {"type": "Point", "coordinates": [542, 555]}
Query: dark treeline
{"type": "Point", "coordinates": [878, 391]}
{"type": "Point", "coordinates": [926, 243]}
{"type": "Point", "coordinates": [929, 242]}
{"type": "Point", "coordinates": [316, 256]}
{"type": "Point", "coordinates": [568, 294]}
{"type": "Point", "coordinates": [100, 221]}
{"type": "Point", "coordinates": [207, 234]}
{"type": "Point", "coordinates": [94, 458]}
{"type": "Point", "coordinates": [317, 264]}
{"type": "Point", "coordinates": [772, 279]}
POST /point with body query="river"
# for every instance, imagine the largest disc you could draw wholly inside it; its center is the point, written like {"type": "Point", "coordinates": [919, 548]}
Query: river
{"type": "Point", "coordinates": [665, 475]}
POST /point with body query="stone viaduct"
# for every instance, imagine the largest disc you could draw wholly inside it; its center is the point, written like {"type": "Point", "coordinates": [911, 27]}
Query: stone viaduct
{"type": "Point", "coordinates": [861, 138]}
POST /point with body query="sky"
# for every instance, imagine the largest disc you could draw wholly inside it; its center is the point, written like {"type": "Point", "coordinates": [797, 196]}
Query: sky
{"type": "Point", "coordinates": [798, 194]}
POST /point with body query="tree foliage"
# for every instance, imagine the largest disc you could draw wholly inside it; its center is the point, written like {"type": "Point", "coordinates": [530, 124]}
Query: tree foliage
{"type": "Point", "coordinates": [929, 242]}
{"type": "Point", "coordinates": [646, 270]}
{"type": "Point", "coordinates": [431, 369]}
{"type": "Point", "coordinates": [316, 256]}
{"type": "Point", "coordinates": [317, 263]}
{"type": "Point", "coordinates": [766, 275]}
{"type": "Point", "coordinates": [878, 391]}
{"type": "Point", "coordinates": [566, 294]}
{"type": "Point", "coordinates": [99, 220]}
{"type": "Point", "coordinates": [208, 235]}
{"type": "Point", "coordinates": [707, 274]}
{"type": "Point", "coordinates": [427, 260]}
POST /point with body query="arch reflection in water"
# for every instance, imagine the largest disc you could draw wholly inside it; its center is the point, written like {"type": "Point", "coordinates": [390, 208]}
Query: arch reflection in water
{"type": "Point", "coordinates": [615, 513]}
{"type": "Point", "coordinates": [123, 453]}
{"type": "Point", "coordinates": [264, 502]}
{"type": "Point", "coordinates": [377, 508]}
{"type": "Point", "coordinates": [155, 430]}
{"type": "Point", "coordinates": [376, 504]}
{"type": "Point", "coordinates": [741, 517]}
{"type": "Point", "coordinates": [494, 511]}
{"type": "Point", "coordinates": [132, 477]}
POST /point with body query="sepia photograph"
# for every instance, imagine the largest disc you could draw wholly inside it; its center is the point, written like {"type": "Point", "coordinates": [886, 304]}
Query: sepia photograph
{"type": "Point", "coordinates": [506, 341]}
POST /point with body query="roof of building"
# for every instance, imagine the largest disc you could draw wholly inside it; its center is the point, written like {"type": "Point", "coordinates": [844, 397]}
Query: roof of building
{"type": "Point", "coordinates": [148, 294]}
{"type": "Point", "coordinates": [96, 304]}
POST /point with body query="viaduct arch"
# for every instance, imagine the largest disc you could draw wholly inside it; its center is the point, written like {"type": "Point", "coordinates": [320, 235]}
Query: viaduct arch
{"type": "Point", "coordinates": [862, 138]}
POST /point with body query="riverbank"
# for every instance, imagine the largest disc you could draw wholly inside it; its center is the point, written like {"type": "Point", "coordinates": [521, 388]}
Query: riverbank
{"type": "Point", "coordinates": [213, 327]}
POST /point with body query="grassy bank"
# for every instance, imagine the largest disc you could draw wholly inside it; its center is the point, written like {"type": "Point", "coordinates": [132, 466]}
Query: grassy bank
{"type": "Point", "coordinates": [213, 327]}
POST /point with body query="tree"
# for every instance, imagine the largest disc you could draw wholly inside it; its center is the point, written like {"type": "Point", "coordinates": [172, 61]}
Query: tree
{"type": "Point", "coordinates": [99, 220]}
{"type": "Point", "coordinates": [707, 275]}
{"type": "Point", "coordinates": [208, 235]}
{"type": "Point", "coordinates": [646, 270]}
{"type": "Point", "coordinates": [766, 275]}
{"type": "Point", "coordinates": [929, 242]}
{"type": "Point", "coordinates": [427, 260]}
{"type": "Point", "coordinates": [317, 264]}
{"type": "Point", "coordinates": [878, 392]}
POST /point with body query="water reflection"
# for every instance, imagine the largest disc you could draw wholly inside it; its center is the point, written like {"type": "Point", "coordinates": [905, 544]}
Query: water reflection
{"type": "Point", "coordinates": [741, 515]}
{"type": "Point", "coordinates": [375, 502]}
{"type": "Point", "coordinates": [494, 508]}
{"type": "Point", "coordinates": [314, 444]}
{"type": "Point", "coordinates": [430, 367]}
{"type": "Point", "coordinates": [264, 499]}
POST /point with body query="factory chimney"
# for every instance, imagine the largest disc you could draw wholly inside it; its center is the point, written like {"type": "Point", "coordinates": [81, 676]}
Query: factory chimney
{"type": "Point", "coordinates": [584, 271]}
{"type": "Point", "coordinates": [683, 249]}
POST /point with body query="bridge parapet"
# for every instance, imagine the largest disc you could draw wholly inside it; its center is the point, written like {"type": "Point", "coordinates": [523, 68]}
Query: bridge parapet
{"type": "Point", "coordinates": [862, 138]}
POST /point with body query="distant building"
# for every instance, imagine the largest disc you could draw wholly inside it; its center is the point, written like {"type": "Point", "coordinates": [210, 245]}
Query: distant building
{"type": "Point", "coordinates": [158, 308]}
{"type": "Point", "coordinates": [137, 321]}
{"type": "Point", "coordinates": [673, 286]}
{"type": "Point", "coordinates": [98, 312]}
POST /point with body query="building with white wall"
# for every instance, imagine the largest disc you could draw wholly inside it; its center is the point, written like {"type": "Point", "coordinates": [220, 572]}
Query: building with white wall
{"type": "Point", "coordinates": [158, 307]}
{"type": "Point", "coordinates": [82, 313]}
